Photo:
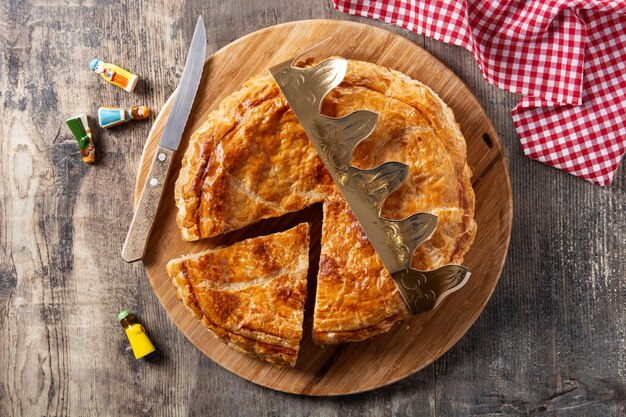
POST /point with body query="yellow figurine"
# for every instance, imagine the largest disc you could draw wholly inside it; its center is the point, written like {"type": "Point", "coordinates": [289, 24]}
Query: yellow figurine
{"type": "Point", "coordinates": [139, 341]}
{"type": "Point", "coordinates": [114, 74]}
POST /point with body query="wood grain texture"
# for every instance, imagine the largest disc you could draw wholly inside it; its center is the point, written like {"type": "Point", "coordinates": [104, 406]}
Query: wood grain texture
{"type": "Point", "coordinates": [348, 368]}
{"type": "Point", "coordinates": [550, 342]}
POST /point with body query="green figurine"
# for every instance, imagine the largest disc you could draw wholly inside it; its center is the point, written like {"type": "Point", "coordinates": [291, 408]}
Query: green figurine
{"type": "Point", "coordinates": [80, 129]}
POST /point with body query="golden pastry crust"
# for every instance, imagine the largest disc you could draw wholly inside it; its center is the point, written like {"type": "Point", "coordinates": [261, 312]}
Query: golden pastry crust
{"type": "Point", "coordinates": [252, 160]}
{"type": "Point", "coordinates": [250, 295]}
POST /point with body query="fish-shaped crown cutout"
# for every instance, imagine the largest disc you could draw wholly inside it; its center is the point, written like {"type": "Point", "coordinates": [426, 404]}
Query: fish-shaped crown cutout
{"type": "Point", "coordinates": [365, 190]}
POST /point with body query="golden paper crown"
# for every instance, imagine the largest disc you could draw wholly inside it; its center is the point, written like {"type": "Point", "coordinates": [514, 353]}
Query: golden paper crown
{"type": "Point", "coordinates": [365, 190]}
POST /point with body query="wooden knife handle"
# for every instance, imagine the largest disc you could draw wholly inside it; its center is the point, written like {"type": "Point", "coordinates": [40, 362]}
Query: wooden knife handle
{"type": "Point", "coordinates": [143, 219]}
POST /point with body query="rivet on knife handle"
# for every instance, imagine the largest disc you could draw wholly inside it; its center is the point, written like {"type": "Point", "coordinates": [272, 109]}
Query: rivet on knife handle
{"type": "Point", "coordinates": [143, 219]}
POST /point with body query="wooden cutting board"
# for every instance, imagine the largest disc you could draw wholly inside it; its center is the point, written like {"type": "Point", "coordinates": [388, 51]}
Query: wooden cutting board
{"type": "Point", "coordinates": [356, 367]}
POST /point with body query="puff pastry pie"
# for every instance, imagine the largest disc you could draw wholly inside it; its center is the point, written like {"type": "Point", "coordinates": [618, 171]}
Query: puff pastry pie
{"type": "Point", "coordinates": [250, 295]}
{"type": "Point", "coordinates": [252, 160]}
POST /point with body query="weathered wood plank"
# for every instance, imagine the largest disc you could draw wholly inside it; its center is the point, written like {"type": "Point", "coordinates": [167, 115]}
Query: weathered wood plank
{"type": "Point", "coordinates": [551, 340]}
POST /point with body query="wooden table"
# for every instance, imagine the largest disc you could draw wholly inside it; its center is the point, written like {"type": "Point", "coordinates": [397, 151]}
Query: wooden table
{"type": "Point", "coordinates": [551, 341]}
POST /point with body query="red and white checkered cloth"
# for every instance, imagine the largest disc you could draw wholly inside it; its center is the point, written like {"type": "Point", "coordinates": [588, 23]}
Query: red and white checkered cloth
{"type": "Point", "coordinates": [567, 59]}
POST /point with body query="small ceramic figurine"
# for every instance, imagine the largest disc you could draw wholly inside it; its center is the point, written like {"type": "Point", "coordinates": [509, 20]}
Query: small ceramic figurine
{"type": "Point", "coordinates": [112, 116]}
{"type": "Point", "coordinates": [139, 341]}
{"type": "Point", "coordinates": [80, 129]}
{"type": "Point", "coordinates": [114, 74]}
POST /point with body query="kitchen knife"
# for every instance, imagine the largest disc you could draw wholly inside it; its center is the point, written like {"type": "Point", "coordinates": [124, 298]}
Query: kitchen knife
{"type": "Point", "coordinates": [143, 219]}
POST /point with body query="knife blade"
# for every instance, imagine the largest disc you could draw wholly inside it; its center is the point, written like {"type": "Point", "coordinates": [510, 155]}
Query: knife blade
{"type": "Point", "coordinates": [143, 219]}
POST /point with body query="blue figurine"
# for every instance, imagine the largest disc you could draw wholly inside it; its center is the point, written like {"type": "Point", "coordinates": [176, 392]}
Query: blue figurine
{"type": "Point", "coordinates": [112, 116]}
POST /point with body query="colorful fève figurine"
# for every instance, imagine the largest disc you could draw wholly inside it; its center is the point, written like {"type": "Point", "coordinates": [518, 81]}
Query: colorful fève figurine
{"type": "Point", "coordinates": [80, 129]}
{"type": "Point", "coordinates": [114, 74]}
{"type": "Point", "coordinates": [112, 116]}
{"type": "Point", "coordinates": [139, 341]}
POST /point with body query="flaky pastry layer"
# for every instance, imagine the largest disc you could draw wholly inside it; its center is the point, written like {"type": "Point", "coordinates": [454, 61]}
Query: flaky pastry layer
{"type": "Point", "coordinates": [250, 295]}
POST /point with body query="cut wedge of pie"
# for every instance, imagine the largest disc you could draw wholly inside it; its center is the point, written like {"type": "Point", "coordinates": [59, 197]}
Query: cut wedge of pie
{"type": "Point", "coordinates": [356, 297]}
{"type": "Point", "coordinates": [252, 160]}
{"type": "Point", "coordinates": [250, 295]}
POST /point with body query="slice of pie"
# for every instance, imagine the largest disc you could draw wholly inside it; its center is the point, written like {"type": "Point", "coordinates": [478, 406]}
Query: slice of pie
{"type": "Point", "coordinates": [250, 295]}
{"type": "Point", "coordinates": [356, 298]}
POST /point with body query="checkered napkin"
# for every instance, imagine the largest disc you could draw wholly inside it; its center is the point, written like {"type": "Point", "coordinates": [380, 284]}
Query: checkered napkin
{"type": "Point", "coordinates": [566, 58]}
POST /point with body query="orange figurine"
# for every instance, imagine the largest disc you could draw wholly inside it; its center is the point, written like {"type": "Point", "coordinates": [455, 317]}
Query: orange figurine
{"type": "Point", "coordinates": [114, 74]}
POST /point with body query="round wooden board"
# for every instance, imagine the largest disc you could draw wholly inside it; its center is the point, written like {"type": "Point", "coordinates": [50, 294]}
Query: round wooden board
{"type": "Point", "coordinates": [355, 367]}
